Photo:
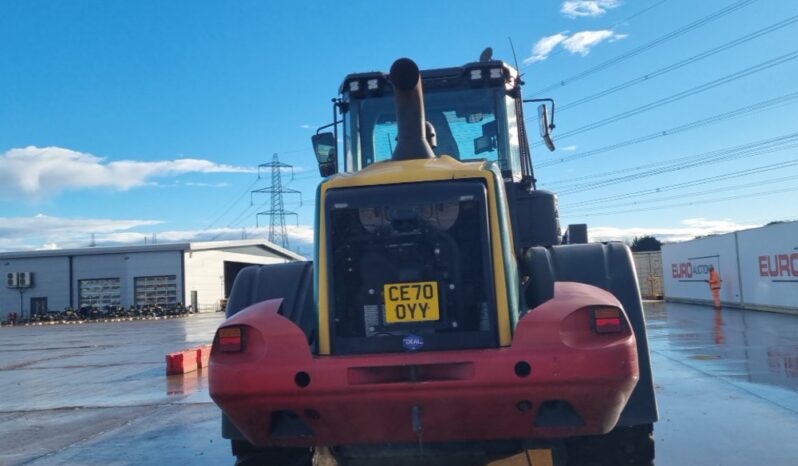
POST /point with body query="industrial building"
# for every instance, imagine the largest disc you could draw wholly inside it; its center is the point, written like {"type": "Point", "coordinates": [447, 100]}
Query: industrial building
{"type": "Point", "coordinates": [199, 274]}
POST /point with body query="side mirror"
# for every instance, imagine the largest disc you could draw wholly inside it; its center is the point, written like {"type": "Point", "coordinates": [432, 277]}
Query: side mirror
{"type": "Point", "coordinates": [326, 148]}
{"type": "Point", "coordinates": [545, 127]}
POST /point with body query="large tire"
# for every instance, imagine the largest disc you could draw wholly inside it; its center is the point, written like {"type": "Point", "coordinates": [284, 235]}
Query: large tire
{"type": "Point", "coordinates": [292, 281]}
{"type": "Point", "coordinates": [624, 446]}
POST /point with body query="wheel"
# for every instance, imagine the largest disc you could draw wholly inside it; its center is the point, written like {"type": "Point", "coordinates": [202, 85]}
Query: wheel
{"type": "Point", "coordinates": [292, 281]}
{"type": "Point", "coordinates": [624, 446]}
{"type": "Point", "coordinates": [250, 455]}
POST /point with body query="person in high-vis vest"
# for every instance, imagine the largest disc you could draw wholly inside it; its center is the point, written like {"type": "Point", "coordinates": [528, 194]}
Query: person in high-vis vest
{"type": "Point", "coordinates": [714, 284]}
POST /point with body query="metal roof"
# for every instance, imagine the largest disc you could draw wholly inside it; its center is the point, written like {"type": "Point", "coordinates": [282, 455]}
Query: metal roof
{"type": "Point", "coordinates": [157, 247]}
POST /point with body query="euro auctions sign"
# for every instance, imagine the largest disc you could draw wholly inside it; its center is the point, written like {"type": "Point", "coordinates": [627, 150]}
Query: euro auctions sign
{"type": "Point", "coordinates": [687, 268]}
{"type": "Point", "coordinates": [779, 266]}
{"type": "Point", "coordinates": [769, 259]}
{"type": "Point", "coordinates": [759, 267]}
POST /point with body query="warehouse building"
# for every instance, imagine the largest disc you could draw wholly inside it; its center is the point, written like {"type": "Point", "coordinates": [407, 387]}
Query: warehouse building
{"type": "Point", "coordinates": [199, 274]}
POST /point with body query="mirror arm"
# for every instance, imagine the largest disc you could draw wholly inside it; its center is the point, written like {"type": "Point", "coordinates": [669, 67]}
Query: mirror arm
{"type": "Point", "coordinates": [551, 101]}
{"type": "Point", "coordinates": [334, 123]}
{"type": "Point", "coordinates": [338, 105]}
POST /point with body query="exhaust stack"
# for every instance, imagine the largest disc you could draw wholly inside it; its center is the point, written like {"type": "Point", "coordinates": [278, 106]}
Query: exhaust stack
{"type": "Point", "coordinates": [410, 118]}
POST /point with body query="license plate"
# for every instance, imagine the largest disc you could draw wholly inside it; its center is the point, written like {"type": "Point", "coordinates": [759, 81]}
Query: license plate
{"type": "Point", "coordinates": [411, 302]}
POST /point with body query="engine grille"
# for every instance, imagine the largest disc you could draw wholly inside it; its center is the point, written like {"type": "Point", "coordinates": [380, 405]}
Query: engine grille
{"type": "Point", "coordinates": [434, 233]}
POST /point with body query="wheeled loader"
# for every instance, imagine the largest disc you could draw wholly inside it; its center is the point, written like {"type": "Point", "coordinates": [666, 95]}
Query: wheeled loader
{"type": "Point", "coordinates": [444, 318]}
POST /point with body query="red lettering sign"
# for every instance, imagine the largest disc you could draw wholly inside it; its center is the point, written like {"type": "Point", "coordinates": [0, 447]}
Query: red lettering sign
{"type": "Point", "coordinates": [784, 265]}
{"type": "Point", "coordinates": [682, 270]}
{"type": "Point", "coordinates": [763, 266]}
{"type": "Point", "coordinates": [779, 265]}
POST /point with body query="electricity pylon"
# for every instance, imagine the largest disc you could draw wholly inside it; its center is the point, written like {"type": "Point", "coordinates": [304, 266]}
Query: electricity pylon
{"type": "Point", "coordinates": [277, 229]}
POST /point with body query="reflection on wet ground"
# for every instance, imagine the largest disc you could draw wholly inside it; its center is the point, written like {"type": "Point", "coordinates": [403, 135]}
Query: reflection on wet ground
{"type": "Point", "coordinates": [757, 351]}
{"type": "Point", "coordinates": [98, 394]}
{"type": "Point", "coordinates": [726, 383]}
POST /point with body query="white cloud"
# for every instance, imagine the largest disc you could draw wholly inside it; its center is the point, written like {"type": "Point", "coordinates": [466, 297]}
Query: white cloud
{"type": "Point", "coordinates": [579, 43]}
{"type": "Point", "coordinates": [49, 232]}
{"type": "Point", "coordinates": [689, 229]}
{"type": "Point", "coordinates": [222, 184]}
{"type": "Point", "coordinates": [42, 171]}
{"type": "Point", "coordinates": [570, 148]}
{"type": "Point", "coordinates": [582, 42]}
{"type": "Point", "coordinates": [592, 8]}
{"type": "Point", "coordinates": [544, 46]}
{"type": "Point", "coordinates": [300, 237]}
{"type": "Point", "coordinates": [306, 126]}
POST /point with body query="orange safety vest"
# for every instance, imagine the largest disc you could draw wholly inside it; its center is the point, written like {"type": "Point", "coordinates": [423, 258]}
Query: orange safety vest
{"type": "Point", "coordinates": [714, 280]}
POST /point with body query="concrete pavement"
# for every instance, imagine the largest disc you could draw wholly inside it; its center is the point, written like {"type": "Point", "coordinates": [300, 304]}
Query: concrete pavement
{"type": "Point", "coordinates": [727, 385]}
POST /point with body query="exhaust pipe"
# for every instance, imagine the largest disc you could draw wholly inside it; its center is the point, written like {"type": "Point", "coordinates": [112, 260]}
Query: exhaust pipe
{"type": "Point", "coordinates": [410, 118]}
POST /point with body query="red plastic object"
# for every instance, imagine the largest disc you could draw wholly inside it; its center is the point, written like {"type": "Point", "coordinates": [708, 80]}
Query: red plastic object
{"type": "Point", "coordinates": [464, 395]}
{"type": "Point", "coordinates": [181, 362]}
{"type": "Point", "coordinates": [203, 355]}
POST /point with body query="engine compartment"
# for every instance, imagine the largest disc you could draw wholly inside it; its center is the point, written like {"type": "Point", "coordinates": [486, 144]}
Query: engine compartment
{"type": "Point", "coordinates": [391, 242]}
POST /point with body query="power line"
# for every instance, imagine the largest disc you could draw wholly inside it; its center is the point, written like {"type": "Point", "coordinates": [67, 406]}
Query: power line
{"type": "Point", "coordinates": [227, 209]}
{"type": "Point", "coordinates": [687, 184]}
{"type": "Point", "coordinates": [636, 177]}
{"type": "Point", "coordinates": [682, 95]}
{"type": "Point", "coordinates": [656, 42]}
{"type": "Point", "coordinates": [690, 203]}
{"type": "Point", "coordinates": [233, 223]}
{"type": "Point", "coordinates": [681, 64]}
{"type": "Point", "coordinates": [775, 144]}
{"type": "Point", "coordinates": [577, 210]}
{"type": "Point", "coordinates": [747, 110]}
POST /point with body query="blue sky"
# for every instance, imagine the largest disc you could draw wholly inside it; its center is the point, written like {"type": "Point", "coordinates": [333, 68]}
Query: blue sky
{"type": "Point", "coordinates": [129, 118]}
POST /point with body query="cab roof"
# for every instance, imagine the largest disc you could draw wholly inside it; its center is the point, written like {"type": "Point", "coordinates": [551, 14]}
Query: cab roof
{"type": "Point", "coordinates": [439, 77]}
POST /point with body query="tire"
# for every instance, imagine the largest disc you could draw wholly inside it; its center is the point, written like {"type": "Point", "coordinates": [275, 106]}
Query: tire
{"type": "Point", "coordinates": [624, 446]}
{"type": "Point", "coordinates": [292, 281]}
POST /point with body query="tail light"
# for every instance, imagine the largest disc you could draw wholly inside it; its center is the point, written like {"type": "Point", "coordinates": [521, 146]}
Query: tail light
{"type": "Point", "coordinates": [608, 320]}
{"type": "Point", "coordinates": [231, 339]}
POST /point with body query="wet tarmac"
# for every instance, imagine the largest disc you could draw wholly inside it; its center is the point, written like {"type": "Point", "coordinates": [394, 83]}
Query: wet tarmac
{"type": "Point", "coordinates": [96, 394]}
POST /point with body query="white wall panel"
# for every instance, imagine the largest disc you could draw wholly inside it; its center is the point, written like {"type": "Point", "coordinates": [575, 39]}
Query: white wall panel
{"type": "Point", "coordinates": [769, 265]}
{"type": "Point", "coordinates": [127, 267]}
{"type": "Point", "coordinates": [205, 273]}
{"type": "Point", "coordinates": [686, 266]}
{"type": "Point", "coordinates": [50, 280]}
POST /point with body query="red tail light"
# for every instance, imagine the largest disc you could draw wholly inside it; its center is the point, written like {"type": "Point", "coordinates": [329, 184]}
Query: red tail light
{"type": "Point", "coordinates": [231, 339]}
{"type": "Point", "coordinates": [608, 320]}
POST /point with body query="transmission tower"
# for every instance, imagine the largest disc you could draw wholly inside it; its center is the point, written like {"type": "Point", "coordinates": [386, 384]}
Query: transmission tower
{"type": "Point", "coordinates": [277, 213]}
